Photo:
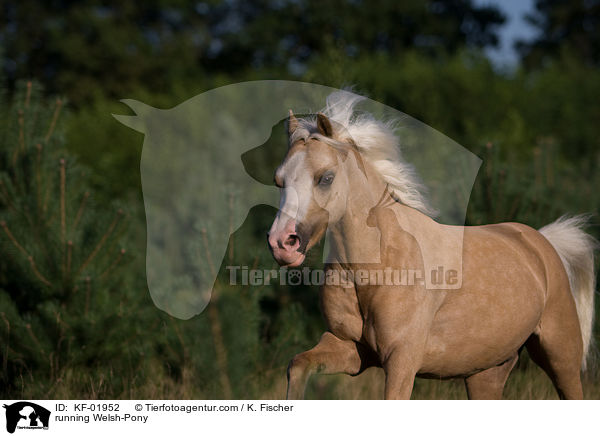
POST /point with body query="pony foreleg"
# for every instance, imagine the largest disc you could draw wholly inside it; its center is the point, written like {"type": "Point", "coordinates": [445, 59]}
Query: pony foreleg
{"type": "Point", "coordinates": [400, 375]}
{"type": "Point", "coordinates": [331, 355]}
{"type": "Point", "coordinates": [489, 384]}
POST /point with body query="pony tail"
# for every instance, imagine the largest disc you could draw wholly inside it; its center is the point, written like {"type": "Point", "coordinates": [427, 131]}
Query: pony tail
{"type": "Point", "coordinates": [576, 250]}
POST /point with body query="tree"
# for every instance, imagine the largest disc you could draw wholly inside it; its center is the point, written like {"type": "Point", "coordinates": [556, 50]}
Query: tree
{"type": "Point", "coordinates": [86, 48]}
{"type": "Point", "coordinates": [565, 26]}
{"type": "Point", "coordinates": [60, 254]}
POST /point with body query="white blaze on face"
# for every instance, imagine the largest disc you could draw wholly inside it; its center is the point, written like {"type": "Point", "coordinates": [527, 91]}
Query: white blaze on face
{"type": "Point", "coordinates": [297, 192]}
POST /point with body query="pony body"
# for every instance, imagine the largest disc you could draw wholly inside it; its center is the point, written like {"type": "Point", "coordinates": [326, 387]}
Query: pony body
{"type": "Point", "coordinates": [505, 286]}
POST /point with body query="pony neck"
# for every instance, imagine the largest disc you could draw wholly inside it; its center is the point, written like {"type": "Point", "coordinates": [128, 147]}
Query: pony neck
{"type": "Point", "coordinates": [371, 218]}
{"type": "Point", "coordinates": [352, 240]}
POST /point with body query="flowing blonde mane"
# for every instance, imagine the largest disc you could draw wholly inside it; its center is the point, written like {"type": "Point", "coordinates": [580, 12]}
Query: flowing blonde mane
{"type": "Point", "coordinates": [377, 143]}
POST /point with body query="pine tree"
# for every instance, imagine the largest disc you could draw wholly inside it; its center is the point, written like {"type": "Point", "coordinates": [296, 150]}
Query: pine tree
{"type": "Point", "coordinates": [60, 254]}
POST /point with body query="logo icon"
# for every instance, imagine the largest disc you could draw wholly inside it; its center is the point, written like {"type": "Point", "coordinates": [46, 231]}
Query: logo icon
{"type": "Point", "coordinates": [26, 415]}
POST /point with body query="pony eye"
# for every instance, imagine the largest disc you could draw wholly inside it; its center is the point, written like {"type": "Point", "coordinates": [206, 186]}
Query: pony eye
{"type": "Point", "coordinates": [326, 179]}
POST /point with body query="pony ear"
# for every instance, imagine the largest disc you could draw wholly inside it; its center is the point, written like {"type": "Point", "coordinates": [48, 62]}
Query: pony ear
{"type": "Point", "coordinates": [324, 125]}
{"type": "Point", "coordinates": [292, 123]}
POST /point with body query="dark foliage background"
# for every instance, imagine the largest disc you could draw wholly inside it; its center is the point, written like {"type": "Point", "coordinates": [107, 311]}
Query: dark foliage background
{"type": "Point", "coordinates": [76, 318]}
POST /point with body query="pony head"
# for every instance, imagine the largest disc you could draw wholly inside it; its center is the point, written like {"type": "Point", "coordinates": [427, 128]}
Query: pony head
{"type": "Point", "coordinates": [314, 183]}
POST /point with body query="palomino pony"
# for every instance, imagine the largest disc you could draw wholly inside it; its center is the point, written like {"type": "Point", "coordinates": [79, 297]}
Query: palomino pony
{"type": "Point", "coordinates": [519, 286]}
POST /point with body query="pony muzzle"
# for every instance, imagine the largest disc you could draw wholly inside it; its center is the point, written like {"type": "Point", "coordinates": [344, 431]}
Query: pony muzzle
{"type": "Point", "coordinates": [285, 244]}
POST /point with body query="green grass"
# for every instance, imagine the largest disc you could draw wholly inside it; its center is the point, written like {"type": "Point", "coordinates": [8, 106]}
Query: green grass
{"type": "Point", "coordinates": [523, 384]}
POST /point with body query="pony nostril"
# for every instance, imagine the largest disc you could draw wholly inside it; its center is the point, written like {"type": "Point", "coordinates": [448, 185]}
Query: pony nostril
{"type": "Point", "coordinates": [292, 241]}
